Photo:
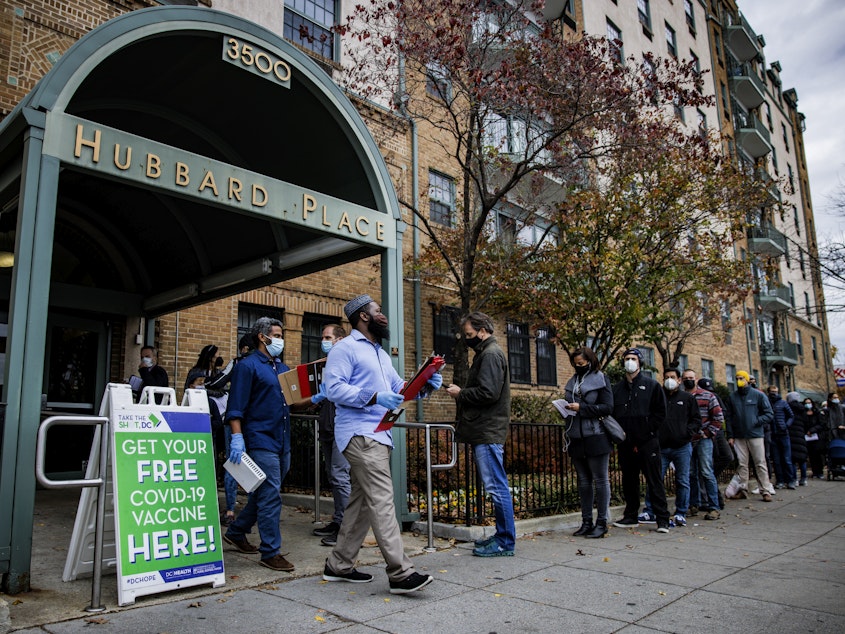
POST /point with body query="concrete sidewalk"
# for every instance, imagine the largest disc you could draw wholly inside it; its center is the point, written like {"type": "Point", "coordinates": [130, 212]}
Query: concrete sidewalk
{"type": "Point", "coordinates": [761, 568]}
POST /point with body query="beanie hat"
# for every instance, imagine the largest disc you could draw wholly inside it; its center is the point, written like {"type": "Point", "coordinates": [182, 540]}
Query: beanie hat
{"type": "Point", "coordinates": [742, 374]}
{"type": "Point", "coordinates": [793, 397]}
{"type": "Point", "coordinates": [354, 305]}
{"type": "Point", "coordinates": [706, 384]}
{"type": "Point", "coordinates": [193, 375]}
{"type": "Point", "coordinates": [636, 352]}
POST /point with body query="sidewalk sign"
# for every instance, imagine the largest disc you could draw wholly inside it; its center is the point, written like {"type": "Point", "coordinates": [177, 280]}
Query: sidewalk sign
{"type": "Point", "coordinates": [166, 530]}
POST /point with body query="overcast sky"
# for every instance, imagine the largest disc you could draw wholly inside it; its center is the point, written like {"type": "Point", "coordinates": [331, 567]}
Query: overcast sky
{"type": "Point", "coordinates": [806, 38]}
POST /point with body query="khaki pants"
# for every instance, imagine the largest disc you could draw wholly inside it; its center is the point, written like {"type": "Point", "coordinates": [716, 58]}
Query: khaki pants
{"type": "Point", "coordinates": [370, 504]}
{"type": "Point", "coordinates": [756, 449]}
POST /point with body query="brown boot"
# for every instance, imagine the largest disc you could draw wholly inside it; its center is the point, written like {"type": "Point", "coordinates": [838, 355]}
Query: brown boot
{"type": "Point", "coordinates": [277, 562]}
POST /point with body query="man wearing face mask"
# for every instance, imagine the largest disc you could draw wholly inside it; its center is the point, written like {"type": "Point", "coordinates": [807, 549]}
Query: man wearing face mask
{"type": "Point", "coordinates": [706, 496]}
{"type": "Point", "coordinates": [484, 404]}
{"type": "Point", "coordinates": [683, 421]}
{"type": "Point", "coordinates": [640, 407]}
{"type": "Point", "coordinates": [151, 373]}
{"type": "Point", "coordinates": [748, 412]}
{"type": "Point", "coordinates": [337, 467]}
{"type": "Point", "coordinates": [835, 417]}
{"type": "Point", "coordinates": [363, 384]}
{"type": "Point", "coordinates": [260, 421]}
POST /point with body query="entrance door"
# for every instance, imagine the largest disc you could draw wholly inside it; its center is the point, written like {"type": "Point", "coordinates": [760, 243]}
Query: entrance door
{"type": "Point", "coordinates": [75, 376]}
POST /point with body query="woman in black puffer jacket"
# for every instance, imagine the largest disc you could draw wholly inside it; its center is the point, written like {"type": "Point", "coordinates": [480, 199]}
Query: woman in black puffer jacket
{"type": "Point", "coordinates": [796, 436]}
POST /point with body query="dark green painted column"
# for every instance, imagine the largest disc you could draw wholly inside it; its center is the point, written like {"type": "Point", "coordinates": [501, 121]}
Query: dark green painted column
{"type": "Point", "coordinates": [25, 352]}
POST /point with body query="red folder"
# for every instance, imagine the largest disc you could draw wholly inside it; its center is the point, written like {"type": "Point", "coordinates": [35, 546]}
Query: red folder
{"type": "Point", "coordinates": [412, 389]}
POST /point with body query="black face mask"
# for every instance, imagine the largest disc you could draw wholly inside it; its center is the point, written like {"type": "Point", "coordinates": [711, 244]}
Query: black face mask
{"type": "Point", "coordinates": [689, 384]}
{"type": "Point", "coordinates": [581, 370]}
{"type": "Point", "coordinates": [473, 342]}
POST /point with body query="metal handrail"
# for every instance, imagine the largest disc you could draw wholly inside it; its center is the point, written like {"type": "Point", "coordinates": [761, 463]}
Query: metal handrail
{"type": "Point", "coordinates": [99, 482]}
{"type": "Point", "coordinates": [433, 467]}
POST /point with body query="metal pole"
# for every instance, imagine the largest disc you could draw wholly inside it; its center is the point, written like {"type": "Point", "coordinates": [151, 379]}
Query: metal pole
{"type": "Point", "coordinates": [96, 585]}
{"type": "Point", "coordinates": [316, 470]}
{"type": "Point", "coordinates": [430, 509]}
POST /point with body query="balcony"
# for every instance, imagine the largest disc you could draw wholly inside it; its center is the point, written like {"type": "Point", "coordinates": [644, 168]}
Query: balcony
{"type": "Point", "coordinates": [746, 86]}
{"type": "Point", "coordinates": [752, 135]}
{"type": "Point", "coordinates": [774, 299]}
{"type": "Point", "coordinates": [778, 353]}
{"type": "Point", "coordinates": [766, 240]}
{"type": "Point", "coordinates": [769, 182]}
{"type": "Point", "coordinates": [742, 40]}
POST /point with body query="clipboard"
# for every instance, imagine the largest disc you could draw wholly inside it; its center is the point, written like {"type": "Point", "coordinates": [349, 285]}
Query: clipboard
{"type": "Point", "coordinates": [413, 388]}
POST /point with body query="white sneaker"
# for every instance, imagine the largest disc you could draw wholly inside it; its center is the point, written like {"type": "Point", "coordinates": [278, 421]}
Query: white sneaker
{"type": "Point", "coordinates": [756, 491]}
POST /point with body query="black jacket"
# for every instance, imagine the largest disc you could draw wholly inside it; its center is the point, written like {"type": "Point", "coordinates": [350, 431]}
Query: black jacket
{"type": "Point", "coordinates": [485, 402]}
{"type": "Point", "coordinates": [640, 407]}
{"type": "Point", "coordinates": [683, 420]}
{"type": "Point", "coordinates": [796, 433]}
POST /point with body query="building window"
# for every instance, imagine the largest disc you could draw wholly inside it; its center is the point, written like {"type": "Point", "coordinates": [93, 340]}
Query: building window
{"type": "Point", "coordinates": [807, 304]}
{"type": "Point", "coordinates": [730, 376]}
{"type": "Point", "coordinates": [671, 40]}
{"type": "Point", "coordinates": [519, 353]}
{"type": "Point", "coordinates": [678, 106]}
{"type": "Point", "coordinates": [312, 334]}
{"type": "Point", "coordinates": [446, 327]}
{"type": "Point", "coordinates": [749, 319]}
{"type": "Point", "coordinates": [683, 363]}
{"type": "Point", "coordinates": [790, 176]}
{"type": "Point", "coordinates": [702, 124]}
{"type": "Point", "coordinates": [690, 14]}
{"type": "Point", "coordinates": [726, 322]}
{"type": "Point", "coordinates": [248, 314]}
{"type": "Point", "coordinates": [798, 343]}
{"type": "Point", "coordinates": [707, 368]}
{"type": "Point", "coordinates": [725, 104]}
{"type": "Point", "coordinates": [644, 13]}
{"type": "Point", "coordinates": [546, 358]}
{"type": "Point", "coordinates": [437, 82]}
{"type": "Point", "coordinates": [792, 294]}
{"type": "Point", "coordinates": [815, 348]}
{"type": "Point", "coordinates": [441, 198]}
{"type": "Point", "coordinates": [785, 136]}
{"type": "Point", "coordinates": [648, 360]}
{"type": "Point", "coordinates": [614, 36]}
{"type": "Point", "coordinates": [801, 263]}
{"type": "Point", "coordinates": [697, 65]}
{"type": "Point", "coordinates": [796, 220]}
{"type": "Point", "coordinates": [309, 23]}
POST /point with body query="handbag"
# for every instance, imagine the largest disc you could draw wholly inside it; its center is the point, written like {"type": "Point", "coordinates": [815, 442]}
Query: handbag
{"type": "Point", "coordinates": [613, 429]}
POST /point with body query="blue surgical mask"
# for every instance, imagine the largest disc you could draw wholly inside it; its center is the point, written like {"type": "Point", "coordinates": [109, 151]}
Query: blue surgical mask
{"type": "Point", "coordinates": [808, 406]}
{"type": "Point", "coordinates": [275, 347]}
{"type": "Point", "coordinates": [325, 346]}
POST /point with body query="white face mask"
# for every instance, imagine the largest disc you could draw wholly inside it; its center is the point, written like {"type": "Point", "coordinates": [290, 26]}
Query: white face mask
{"type": "Point", "coordinates": [631, 366]}
{"type": "Point", "coordinates": [275, 346]}
{"type": "Point", "coordinates": [835, 401]}
{"type": "Point", "coordinates": [670, 384]}
{"type": "Point", "coordinates": [147, 361]}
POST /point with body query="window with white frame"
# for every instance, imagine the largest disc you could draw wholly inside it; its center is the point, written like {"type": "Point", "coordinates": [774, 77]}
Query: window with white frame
{"type": "Point", "coordinates": [707, 368]}
{"type": "Point", "coordinates": [644, 14]}
{"type": "Point", "coordinates": [309, 23]}
{"type": "Point", "coordinates": [730, 376]}
{"type": "Point", "coordinates": [798, 343]}
{"type": "Point", "coordinates": [441, 198]}
{"type": "Point", "coordinates": [614, 36]}
{"type": "Point", "coordinates": [437, 82]}
{"type": "Point", "coordinates": [648, 360]}
{"type": "Point", "coordinates": [815, 349]}
{"type": "Point", "coordinates": [671, 40]}
{"type": "Point", "coordinates": [689, 11]}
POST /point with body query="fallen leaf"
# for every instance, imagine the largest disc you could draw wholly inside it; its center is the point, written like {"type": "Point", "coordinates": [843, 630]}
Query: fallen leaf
{"type": "Point", "coordinates": [497, 595]}
{"type": "Point", "coordinates": [17, 601]}
{"type": "Point", "coordinates": [661, 593]}
{"type": "Point", "coordinates": [442, 571]}
{"type": "Point", "coordinates": [387, 600]}
{"type": "Point", "coordinates": [323, 582]}
{"type": "Point", "coordinates": [195, 604]}
{"type": "Point", "coordinates": [550, 580]}
{"type": "Point", "coordinates": [97, 620]}
{"type": "Point", "coordinates": [617, 593]}
{"type": "Point", "coordinates": [319, 619]}
{"type": "Point", "coordinates": [606, 559]}
{"type": "Point", "coordinates": [580, 553]}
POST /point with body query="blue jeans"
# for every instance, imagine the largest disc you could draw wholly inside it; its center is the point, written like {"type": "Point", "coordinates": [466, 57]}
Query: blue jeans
{"type": "Point", "coordinates": [680, 457]}
{"type": "Point", "coordinates": [230, 485]}
{"type": "Point", "coordinates": [489, 459]}
{"type": "Point", "coordinates": [702, 455]}
{"type": "Point", "coordinates": [264, 506]}
{"type": "Point", "coordinates": [592, 472]}
{"type": "Point", "coordinates": [782, 457]}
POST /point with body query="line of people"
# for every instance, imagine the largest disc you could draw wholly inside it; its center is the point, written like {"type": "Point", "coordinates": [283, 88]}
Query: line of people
{"type": "Point", "coordinates": [685, 424]}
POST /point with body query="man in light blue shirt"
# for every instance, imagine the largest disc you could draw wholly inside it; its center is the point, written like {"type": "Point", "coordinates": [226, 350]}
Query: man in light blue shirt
{"type": "Point", "coordinates": [362, 383]}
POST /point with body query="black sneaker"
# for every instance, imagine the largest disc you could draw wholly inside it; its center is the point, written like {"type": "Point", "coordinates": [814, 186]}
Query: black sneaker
{"type": "Point", "coordinates": [333, 528]}
{"type": "Point", "coordinates": [415, 581]}
{"type": "Point", "coordinates": [353, 576]}
{"type": "Point", "coordinates": [627, 522]}
{"type": "Point", "coordinates": [662, 527]}
{"type": "Point", "coordinates": [331, 540]}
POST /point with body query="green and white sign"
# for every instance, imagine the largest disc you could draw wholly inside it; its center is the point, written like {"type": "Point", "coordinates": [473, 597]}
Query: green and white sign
{"type": "Point", "coordinates": [165, 497]}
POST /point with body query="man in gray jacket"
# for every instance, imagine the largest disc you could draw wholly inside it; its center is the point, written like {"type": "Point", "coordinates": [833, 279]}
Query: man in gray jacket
{"type": "Point", "coordinates": [749, 411]}
{"type": "Point", "coordinates": [484, 406]}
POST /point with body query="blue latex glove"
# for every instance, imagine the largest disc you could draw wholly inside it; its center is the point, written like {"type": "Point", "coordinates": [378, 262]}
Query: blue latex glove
{"type": "Point", "coordinates": [321, 395]}
{"type": "Point", "coordinates": [390, 400]}
{"type": "Point", "coordinates": [435, 381]}
{"type": "Point", "coordinates": [236, 448]}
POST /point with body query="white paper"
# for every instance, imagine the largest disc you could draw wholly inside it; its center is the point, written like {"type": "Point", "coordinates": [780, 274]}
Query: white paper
{"type": "Point", "coordinates": [562, 406]}
{"type": "Point", "coordinates": [811, 437]}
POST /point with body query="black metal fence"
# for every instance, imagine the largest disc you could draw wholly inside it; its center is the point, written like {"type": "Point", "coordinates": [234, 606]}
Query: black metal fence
{"type": "Point", "coordinates": [541, 475]}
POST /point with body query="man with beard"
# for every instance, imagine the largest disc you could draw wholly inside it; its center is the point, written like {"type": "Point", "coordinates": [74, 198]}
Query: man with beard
{"type": "Point", "coordinates": [362, 383]}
